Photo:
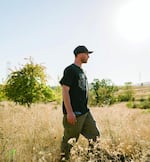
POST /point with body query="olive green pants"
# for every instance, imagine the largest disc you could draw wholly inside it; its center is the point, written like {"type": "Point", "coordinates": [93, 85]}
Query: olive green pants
{"type": "Point", "coordinates": [85, 125]}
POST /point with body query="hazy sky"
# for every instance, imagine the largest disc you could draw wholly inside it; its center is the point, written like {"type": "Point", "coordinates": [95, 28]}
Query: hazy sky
{"type": "Point", "coordinates": [118, 31]}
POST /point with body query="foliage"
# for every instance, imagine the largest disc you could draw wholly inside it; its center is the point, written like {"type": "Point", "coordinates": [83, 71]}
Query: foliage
{"type": "Point", "coordinates": [131, 104]}
{"type": "Point", "coordinates": [58, 94]}
{"type": "Point", "coordinates": [28, 85]}
{"type": "Point", "coordinates": [142, 105]}
{"type": "Point", "coordinates": [127, 93]}
{"type": "Point", "coordinates": [2, 94]}
{"type": "Point", "coordinates": [102, 92]}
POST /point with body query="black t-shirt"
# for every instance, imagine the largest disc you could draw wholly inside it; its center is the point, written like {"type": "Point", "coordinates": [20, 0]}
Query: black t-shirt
{"type": "Point", "coordinates": [75, 78]}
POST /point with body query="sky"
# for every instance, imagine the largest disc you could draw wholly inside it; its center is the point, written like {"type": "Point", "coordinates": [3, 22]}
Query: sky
{"type": "Point", "coordinates": [118, 31]}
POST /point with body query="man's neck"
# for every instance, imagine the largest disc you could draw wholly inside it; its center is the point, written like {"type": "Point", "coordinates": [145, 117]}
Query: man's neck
{"type": "Point", "coordinates": [77, 63]}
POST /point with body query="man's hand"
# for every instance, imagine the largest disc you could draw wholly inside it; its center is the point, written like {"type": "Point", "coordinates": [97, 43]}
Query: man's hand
{"type": "Point", "coordinates": [71, 118]}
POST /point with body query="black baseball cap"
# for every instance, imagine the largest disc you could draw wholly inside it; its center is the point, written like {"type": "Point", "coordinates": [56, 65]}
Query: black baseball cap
{"type": "Point", "coordinates": [81, 49]}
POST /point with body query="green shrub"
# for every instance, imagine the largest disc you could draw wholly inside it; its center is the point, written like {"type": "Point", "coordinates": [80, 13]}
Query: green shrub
{"type": "Point", "coordinates": [127, 93]}
{"type": "Point", "coordinates": [141, 105]}
{"type": "Point", "coordinates": [144, 104]}
{"type": "Point", "coordinates": [148, 98]}
{"type": "Point", "coordinates": [102, 92]}
{"type": "Point", "coordinates": [58, 94]}
{"type": "Point", "coordinates": [2, 94]}
{"type": "Point", "coordinates": [131, 104]}
{"type": "Point", "coordinates": [125, 97]}
{"type": "Point", "coordinates": [28, 85]}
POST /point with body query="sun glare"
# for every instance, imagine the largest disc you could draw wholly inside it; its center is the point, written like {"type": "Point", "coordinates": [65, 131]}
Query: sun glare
{"type": "Point", "coordinates": [133, 21]}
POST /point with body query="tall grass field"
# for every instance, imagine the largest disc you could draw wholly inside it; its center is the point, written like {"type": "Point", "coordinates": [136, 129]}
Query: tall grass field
{"type": "Point", "coordinates": [34, 134]}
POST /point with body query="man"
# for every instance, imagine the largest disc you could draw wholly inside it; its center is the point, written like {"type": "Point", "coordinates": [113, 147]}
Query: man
{"type": "Point", "coordinates": [77, 117]}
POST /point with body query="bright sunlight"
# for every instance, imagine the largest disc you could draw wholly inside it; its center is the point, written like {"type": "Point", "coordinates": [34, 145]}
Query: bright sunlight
{"type": "Point", "coordinates": [133, 21]}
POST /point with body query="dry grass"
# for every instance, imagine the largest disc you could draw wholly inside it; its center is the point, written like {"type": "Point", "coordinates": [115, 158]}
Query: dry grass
{"type": "Point", "coordinates": [124, 131]}
{"type": "Point", "coordinates": [141, 92]}
{"type": "Point", "coordinates": [34, 135]}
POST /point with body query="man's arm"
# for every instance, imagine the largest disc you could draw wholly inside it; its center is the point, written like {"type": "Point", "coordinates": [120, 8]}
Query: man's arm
{"type": "Point", "coordinates": [71, 118]}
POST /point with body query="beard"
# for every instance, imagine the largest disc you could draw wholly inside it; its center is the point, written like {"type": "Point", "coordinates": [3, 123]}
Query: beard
{"type": "Point", "coordinates": [84, 60]}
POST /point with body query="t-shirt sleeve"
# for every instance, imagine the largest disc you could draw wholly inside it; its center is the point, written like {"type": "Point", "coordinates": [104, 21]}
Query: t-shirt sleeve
{"type": "Point", "coordinates": [68, 77]}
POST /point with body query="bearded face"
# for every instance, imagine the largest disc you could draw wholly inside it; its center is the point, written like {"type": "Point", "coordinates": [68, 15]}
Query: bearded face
{"type": "Point", "coordinates": [84, 57]}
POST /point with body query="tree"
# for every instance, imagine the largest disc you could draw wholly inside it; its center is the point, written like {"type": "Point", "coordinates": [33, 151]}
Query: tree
{"type": "Point", "coordinates": [28, 85]}
{"type": "Point", "coordinates": [102, 92]}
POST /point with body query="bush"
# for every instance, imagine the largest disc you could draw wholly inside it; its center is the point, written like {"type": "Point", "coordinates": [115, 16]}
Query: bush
{"type": "Point", "coordinates": [127, 94]}
{"type": "Point", "coordinates": [144, 105]}
{"type": "Point", "coordinates": [125, 97]}
{"type": "Point", "coordinates": [58, 94]}
{"type": "Point", "coordinates": [141, 105]}
{"type": "Point", "coordinates": [132, 104]}
{"type": "Point", "coordinates": [2, 94]}
{"type": "Point", "coordinates": [28, 85]}
{"type": "Point", "coordinates": [102, 92]}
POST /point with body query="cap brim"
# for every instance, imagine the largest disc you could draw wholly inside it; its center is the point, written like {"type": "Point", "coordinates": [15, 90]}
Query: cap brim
{"type": "Point", "coordinates": [90, 52]}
